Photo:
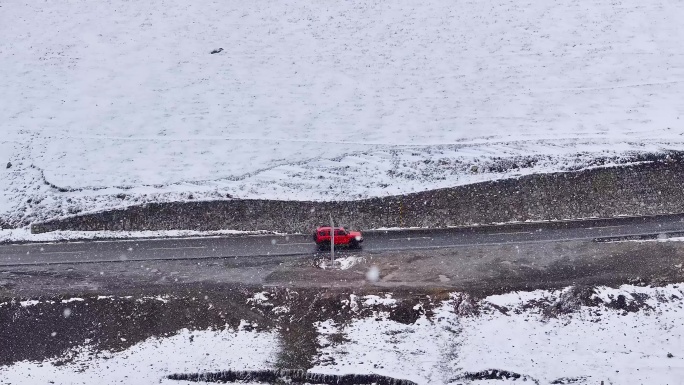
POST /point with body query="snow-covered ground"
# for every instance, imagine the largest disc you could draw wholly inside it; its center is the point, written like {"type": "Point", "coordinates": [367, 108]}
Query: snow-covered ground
{"type": "Point", "coordinates": [149, 361]}
{"type": "Point", "coordinates": [628, 335]}
{"type": "Point", "coordinates": [111, 103]}
{"type": "Point", "coordinates": [589, 345]}
{"type": "Point", "coordinates": [25, 236]}
{"type": "Point", "coordinates": [515, 337]}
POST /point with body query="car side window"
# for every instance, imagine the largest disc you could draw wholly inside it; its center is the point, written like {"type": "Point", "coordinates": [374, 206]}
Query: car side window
{"type": "Point", "coordinates": [323, 233]}
{"type": "Point", "coordinates": [340, 232]}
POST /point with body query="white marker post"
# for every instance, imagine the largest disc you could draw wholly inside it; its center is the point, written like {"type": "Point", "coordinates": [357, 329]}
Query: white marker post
{"type": "Point", "coordinates": [332, 241]}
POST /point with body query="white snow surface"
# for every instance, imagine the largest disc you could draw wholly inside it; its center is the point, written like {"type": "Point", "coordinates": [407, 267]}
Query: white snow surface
{"type": "Point", "coordinates": [260, 299]}
{"type": "Point", "coordinates": [112, 103]}
{"type": "Point", "coordinates": [374, 300]}
{"type": "Point", "coordinates": [343, 263]}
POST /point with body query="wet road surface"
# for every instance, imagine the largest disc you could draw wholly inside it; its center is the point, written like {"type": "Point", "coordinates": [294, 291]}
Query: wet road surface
{"type": "Point", "coordinates": [296, 245]}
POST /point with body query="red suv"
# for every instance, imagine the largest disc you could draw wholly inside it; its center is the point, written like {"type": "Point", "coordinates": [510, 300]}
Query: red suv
{"type": "Point", "coordinates": [343, 237]}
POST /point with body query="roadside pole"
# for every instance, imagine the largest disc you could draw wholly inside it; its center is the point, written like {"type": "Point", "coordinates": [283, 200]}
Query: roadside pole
{"type": "Point", "coordinates": [332, 241]}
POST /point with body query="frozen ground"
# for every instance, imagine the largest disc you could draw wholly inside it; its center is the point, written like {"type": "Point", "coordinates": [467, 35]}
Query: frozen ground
{"type": "Point", "coordinates": [629, 335]}
{"type": "Point", "coordinates": [112, 103]}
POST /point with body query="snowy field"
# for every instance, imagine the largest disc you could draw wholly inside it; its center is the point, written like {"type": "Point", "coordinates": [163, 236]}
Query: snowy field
{"type": "Point", "coordinates": [111, 103]}
{"type": "Point", "coordinates": [541, 337]}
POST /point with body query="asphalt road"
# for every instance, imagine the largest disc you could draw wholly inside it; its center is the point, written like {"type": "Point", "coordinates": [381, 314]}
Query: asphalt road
{"type": "Point", "coordinates": [376, 241]}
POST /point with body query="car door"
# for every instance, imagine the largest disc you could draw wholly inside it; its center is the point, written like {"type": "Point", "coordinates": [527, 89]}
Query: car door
{"type": "Point", "coordinates": [323, 236]}
{"type": "Point", "coordinates": [341, 237]}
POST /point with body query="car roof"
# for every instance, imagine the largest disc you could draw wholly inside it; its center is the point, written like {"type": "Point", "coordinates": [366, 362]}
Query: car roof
{"type": "Point", "coordinates": [328, 228]}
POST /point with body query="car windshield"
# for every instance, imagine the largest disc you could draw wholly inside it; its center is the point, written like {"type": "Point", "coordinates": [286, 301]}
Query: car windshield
{"type": "Point", "coordinates": [341, 192]}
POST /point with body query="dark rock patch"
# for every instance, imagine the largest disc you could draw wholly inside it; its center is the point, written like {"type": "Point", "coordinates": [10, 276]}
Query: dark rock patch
{"type": "Point", "coordinates": [280, 376]}
{"type": "Point", "coordinates": [465, 305]}
{"type": "Point", "coordinates": [569, 380]}
{"type": "Point", "coordinates": [494, 374]}
{"type": "Point", "coordinates": [572, 300]}
{"type": "Point", "coordinates": [632, 305]}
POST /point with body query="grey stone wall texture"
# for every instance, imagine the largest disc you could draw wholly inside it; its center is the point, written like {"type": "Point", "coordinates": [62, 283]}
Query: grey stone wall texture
{"type": "Point", "coordinates": [649, 188]}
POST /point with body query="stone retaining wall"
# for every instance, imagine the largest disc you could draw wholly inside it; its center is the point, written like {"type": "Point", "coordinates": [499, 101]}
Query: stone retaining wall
{"type": "Point", "coordinates": [645, 189]}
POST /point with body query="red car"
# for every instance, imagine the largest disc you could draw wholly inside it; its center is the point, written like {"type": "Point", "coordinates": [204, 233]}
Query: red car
{"type": "Point", "coordinates": [343, 237]}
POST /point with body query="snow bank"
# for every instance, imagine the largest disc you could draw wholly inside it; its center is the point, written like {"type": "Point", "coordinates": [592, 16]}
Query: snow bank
{"type": "Point", "coordinates": [24, 235]}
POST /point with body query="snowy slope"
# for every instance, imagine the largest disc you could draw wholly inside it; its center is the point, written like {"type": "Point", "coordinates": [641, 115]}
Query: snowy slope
{"type": "Point", "coordinates": [638, 342]}
{"type": "Point", "coordinates": [310, 100]}
{"type": "Point", "coordinates": [588, 345]}
{"type": "Point", "coordinates": [151, 360]}
{"type": "Point", "coordinates": [584, 346]}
